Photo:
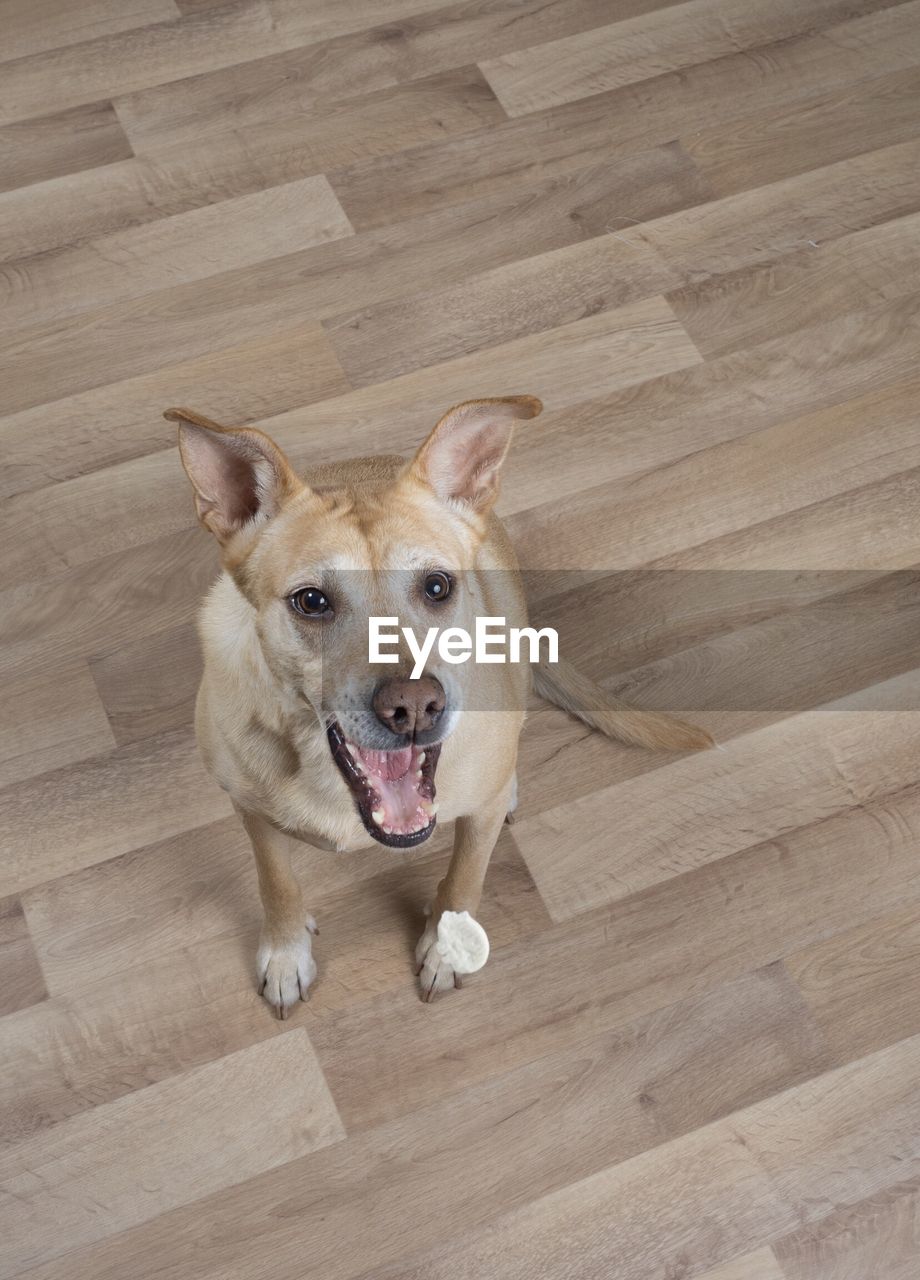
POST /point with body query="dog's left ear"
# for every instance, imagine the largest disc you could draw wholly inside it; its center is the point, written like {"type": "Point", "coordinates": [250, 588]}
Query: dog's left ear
{"type": "Point", "coordinates": [462, 457]}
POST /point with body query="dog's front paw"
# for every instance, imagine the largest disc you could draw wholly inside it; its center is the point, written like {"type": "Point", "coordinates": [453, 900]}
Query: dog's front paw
{"type": "Point", "coordinates": [286, 969]}
{"type": "Point", "coordinates": [433, 973]}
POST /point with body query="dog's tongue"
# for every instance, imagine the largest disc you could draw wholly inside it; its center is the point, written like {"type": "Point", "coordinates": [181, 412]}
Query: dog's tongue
{"type": "Point", "coordinates": [395, 776]}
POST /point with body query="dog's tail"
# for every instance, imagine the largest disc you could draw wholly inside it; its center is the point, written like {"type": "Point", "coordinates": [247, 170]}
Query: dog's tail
{"type": "Point", "coordinates": [564, 686]}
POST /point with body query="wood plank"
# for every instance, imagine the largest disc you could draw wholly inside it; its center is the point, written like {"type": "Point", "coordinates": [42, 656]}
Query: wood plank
{"type": "Point", "coordinates": [148, 497]}
{"type": "Point", "coordinates": [760, 226]}
{"type": "Point", "coordinates": [727, 483]}
{"type": "Point", "coordinates": [812, 646]}
{"type": "Point", "coordinates": [744, 395]}
{"type": "Point", "coordinates": [243, 161]}
{"type": "Point", "coordinates": [126, 61]}
{"type": "Point", "coordinates": [149, 687]}
{"type": "Point", "coordinates": [269, 1102]}
{"type": "Point", "coordinates": [866, 528]}
{"type": "Point", "coordinates": [96, 608]}
{"type": "Point", "coordinates": [642, 47]}
{"type": "Point", "coordinates": [33, 151]}
{"type": "Point", "coordinates": [130, 1013]}
{"type": "Point", "coordinates": [591, 534]}
{"type": "Point", "coordinates": [119, 421]}
{"type": "Point", "coordinates": [23, 981]}
{"type": "Point", "coordinates": [850, 1132]}
{"type": "Point", "coordinates": [526, 296]}
{"type": "Point", "coordinates": [743, 308]}
{"type": "Point", "coordinates": [262, 154]}
{"type": "Point", "coordinates": [84, 813]}
{"type": "Point", "coordinates": [31, 27]}
{"type": "Point", "coordinates": [859, 984]}
{"type": "Point", "coordinates": [70, 1055]}
{"type": "Point", "coordinates": [697, 1221]}
{"type": "Point", "coordinates": [680, 938]}
{"type": "Point", "coordinates": [50, 724]}
{"type": "Point", "coordinates": [723, 643]}
{"type": "Point", "coordinates": [157, 928]}
{"type": "Point", "coordinates": [326, 19]}
{"type": "Point", "coordinates": [807, 768]}
{"type": "Point", "coordinates": [186, 248]}
{"type": "Point", "coordinates": [124, 339]}
{"type": "Point", "coordinates": [549, 1125]}
{"type": "Point", "coordinates": [878, 1237]}
{"type": "Point", "coordinates": [800, 656]}
{"type": "Point", "coordinates": [760, 1265]}
{"type": "Point", "coordinates": [404, 46]}
{"type": "Point", "coordinates": [782, 473]}
{"type": "Point", "coordinates": [605, 127]}
{"type": "Point", "coordinates": [140, 909]}
{"type": "Point", "coordinates": [824, 129]}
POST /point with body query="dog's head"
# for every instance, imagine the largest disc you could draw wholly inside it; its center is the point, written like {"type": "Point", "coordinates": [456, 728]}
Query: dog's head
{"type": "Point", "coordinates": [384, 538]}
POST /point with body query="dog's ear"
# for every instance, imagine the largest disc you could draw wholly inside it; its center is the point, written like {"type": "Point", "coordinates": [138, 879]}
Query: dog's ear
{"type": "Point", "coordinates": [462, 457]}
{"type": "Point", "coordinates": [239, 475]}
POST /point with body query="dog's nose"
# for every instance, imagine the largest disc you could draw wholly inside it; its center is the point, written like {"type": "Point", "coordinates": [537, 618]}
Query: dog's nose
{"type": "Point", "coordinates": [409, 707]}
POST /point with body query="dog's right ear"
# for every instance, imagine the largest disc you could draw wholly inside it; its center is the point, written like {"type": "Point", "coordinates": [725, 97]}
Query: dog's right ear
{"type": "Point", "coordinates": [239, 475]}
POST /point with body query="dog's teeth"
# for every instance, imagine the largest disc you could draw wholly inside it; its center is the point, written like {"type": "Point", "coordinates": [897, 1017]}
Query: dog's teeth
{"type": "Point", "coordinates": [421, 759]}
{"type": "Point", "coordinates": [378, 816]}
{"type": "Point", "coordinates": [430, 807]}
{"type": "Point", "coordinates": [418, 773]}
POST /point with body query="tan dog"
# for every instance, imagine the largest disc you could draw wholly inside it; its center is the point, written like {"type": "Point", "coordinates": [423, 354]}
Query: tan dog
{"type": "Point", "coordinates": [309, 738]}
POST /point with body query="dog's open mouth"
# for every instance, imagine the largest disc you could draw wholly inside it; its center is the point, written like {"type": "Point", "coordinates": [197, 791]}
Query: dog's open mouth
{"type": "Point", "coordinates": [393, 790]}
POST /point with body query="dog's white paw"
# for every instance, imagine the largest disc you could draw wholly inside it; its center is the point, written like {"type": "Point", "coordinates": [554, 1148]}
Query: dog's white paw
{"type": "Point", "coordinates": [434, 975]}
{"type": "Point", "coordinates": [455, 946]}
{"type": "Point", "coordinates": [286, 969]}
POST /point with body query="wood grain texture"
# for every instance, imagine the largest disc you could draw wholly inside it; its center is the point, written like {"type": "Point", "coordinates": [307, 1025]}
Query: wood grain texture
{"type": "Point", "coordinates": [859, 983]}
{"type": "Point", "coordinates": [192, 246]}
{"type": "Point", "coordinates": [599, 537]}
{"type": "Point", "coordinates": [125, 61]}
{"type": "Point", "coordinates": [31, 27]}
{"type": "Point", "coordinates": [643, 47]}
{"type": "Point", "coordinates": [23, 981]}
{"type": "Point", "coordinates": [761, 1265]}
{"type": "Point", "coordinates": [382, 341]}
{"type": "Point", "coordinates": [878, 1237]}
{"type": "Point", "coordinates": [691, 228]}
{"type": "Point", "coordinates": [397, 48]}
{"type": "Point", "coordinates": [680, 836]}
{"type": "Point", "coordinates": [112, 423]}
{"type": "Point", "coordinates": [50, 829]}
{"type": "Point", "coordinates": [271, 1105]}
{"type": "Point", "coordinates": [73, 353]}
{"type": "Point", "coordinates": [740, 309]}
{"type": "Point", "coordinates": [633, 118]}
{"type": "Point", "coordinates": [746, 1198]}
{"type": "Point", "coordinates": [34, 151]}
{"type": "Point", "coordinates": [51, 724]}
{"type": "Point", "coordinates": [749, 152]}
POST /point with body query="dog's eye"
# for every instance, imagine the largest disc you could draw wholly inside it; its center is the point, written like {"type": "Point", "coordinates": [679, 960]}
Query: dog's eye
{"type": "Point", "coordinates": [437, 586]}
{"type": "Point", "coordinates": [310, 602]}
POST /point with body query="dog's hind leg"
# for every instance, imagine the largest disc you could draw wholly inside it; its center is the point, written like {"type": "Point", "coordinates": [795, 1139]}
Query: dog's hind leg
{"type": "Point", "coordinates": [460, 890]}
{"type": "Point", "coordinates": [284, 960]}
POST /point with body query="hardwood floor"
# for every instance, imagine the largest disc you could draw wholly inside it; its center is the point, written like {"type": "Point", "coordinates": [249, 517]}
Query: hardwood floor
{"type": "Point", "coordinates": [694, 230]}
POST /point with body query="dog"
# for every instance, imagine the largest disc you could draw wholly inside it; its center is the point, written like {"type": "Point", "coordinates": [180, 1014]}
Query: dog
{"type": "Point", "coordinates": [313, 741]}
